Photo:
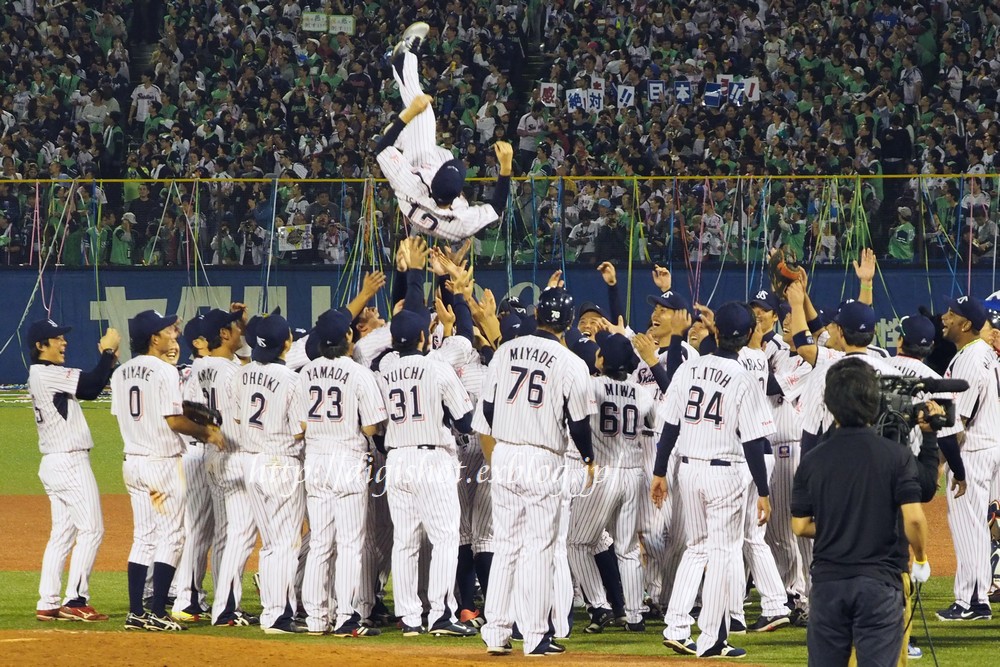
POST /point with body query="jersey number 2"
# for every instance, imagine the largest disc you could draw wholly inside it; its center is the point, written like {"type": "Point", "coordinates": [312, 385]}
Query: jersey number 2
{"type": "Point", "coordinates": [258, 403]}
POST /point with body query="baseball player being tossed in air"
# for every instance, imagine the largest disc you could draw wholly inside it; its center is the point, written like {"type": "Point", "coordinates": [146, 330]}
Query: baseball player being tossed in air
{"type": "Point", "coordinates": [65, 442]}
{"type": "Point", "coordinates": [426, 178]}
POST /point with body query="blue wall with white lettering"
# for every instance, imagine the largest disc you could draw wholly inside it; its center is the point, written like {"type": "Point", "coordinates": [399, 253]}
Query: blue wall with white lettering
{"type": "Point", "coordinates": [90, 303]}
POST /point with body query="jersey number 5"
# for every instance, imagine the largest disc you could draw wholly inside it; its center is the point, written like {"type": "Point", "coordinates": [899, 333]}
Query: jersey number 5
{"type": "Point", "coordinates": [712, 411]}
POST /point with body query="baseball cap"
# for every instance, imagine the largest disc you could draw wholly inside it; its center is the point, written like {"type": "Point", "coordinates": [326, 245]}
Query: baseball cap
{"type": "Point", "coordinates": [855, 316]}
{"type": "Point", "coordinates": [147, 323]}
{"type": "Point", "coordinates": [589, 307]}
{"type": "Point", "coordinates": [603, 201]}
{"type": "Point", "coordinates": [194, 329]}
{"type": "Point", "coordinates": [905, 212]}
{"type": "Point", "coordinates": [299, 332]}
{"type": "Point", "coordinates": [448, 181]}
{"type": "Point", "coordinates": [992, 305]}
{"type": "Point", "coordinates": [513, 305]}
{"type": "Point", "coordinates": [331, 328]}
{"type": "Point", "coordinates": [733, 319]}
{"type": "Point", "coordinates": [407, 325]}
{"type": "Point", "coordinates": [43, 330]}
{"type": "Point", "coordinates": [617, 352]}
{"type": "Point", "coordinates": [766, 300]}
{"type": "Point", "coordinates": [669, 300]}
{"type": "Point", "coordinates": [584, 348]}
{"type": "Point", "coordinates": [511, 326]}
{"type": "Point", "coordinates": [269, 338]}
{"type": "Point", "coordinates": [917, 329]}
{"type": "Point", "coordinates": [971, 309]}
{"type": "Point", "coordinates": [217, 319]}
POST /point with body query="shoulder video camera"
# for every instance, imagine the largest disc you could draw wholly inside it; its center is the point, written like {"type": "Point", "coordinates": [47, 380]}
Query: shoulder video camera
{"type": "Point", "coordinates": [898, 411]}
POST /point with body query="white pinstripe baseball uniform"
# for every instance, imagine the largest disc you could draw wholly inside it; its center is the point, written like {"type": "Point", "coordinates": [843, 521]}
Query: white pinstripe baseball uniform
{"type": "Point", "coordinates": [370, 346]}
{"type": "Point", "coordinates": [612, 503]}
{"type": "Point", "coordinates": [339, 397]}
{"type": "Point", "coordinates": [758, 556]}
{"type": "Point", "coordinates": [717, 405]}
{"type": "Point", "coordinates": [816, 417]}
{"type": "Point", "coordinates": [979, 406]}
{"type": "Point", "coordinates": [421, 475]}
{"type": "Point", "coordinates": [411, 168]}
{"type": "Point", "coordinates": [266, 398]}
{"type": "Point", "coordinates": [65, 442]}
{"type": "Point", "coordinates": [789, 369]}
{"type": "Point", "coordinates": [199, 518]}
{"type": "Point", "coordinates": [230, 501]}
{"type": "Point", "coordinates": [534, 385]}
{"type": "Point", "coordinates": [661, 529]}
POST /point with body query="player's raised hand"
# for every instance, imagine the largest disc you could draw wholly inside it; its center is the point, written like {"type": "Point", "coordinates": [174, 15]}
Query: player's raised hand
{"type": "Point", "coordinates": [679, 322]}
{"type": "Point", "coordinates": [707, 317]}
{"type": "Point", "coordinates": [607, 270]}
{"type": "Point", "coordinates": [488, 302]}
{"type": "Point", "coordinates": [109, 341]}
{"type": "Point", "coordinates": [617, 327]}
{"type": "Point", "coordinates": [237, 306]}
{"type": "Point", "coordinates": [865, 271]}
{"type": "Point", "coordinates": [445, 315]}
{"type": "Point", "coordinates": [403, 255]}
{"type": "Point", "coordinates": [437, 260]}
{"type": "Point", "coordinates": [662, 278]}
{"type": "Point", "coordinates": [372, 283]}
{"type": "Point", "coordinates": [505, 157]}
{"type": "Point", "coordinates": [457, 257]}
{"type": "Point", "coordinates": [795, 293]}
{"type": "Point", "coordinates": [416, 107]}
{"type": "Point", "coordinates": [658, 491]}
{"type": "Point", "coordinates": [555, 280]}
{"type": "Point", "coordinates": [646, 348]}
{"type": "Point", "coordinates": [418, 252]}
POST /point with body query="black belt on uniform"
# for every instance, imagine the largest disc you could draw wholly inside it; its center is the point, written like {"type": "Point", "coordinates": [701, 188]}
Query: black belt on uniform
{"type": "Point", "coordinates": [648, 432]}
{"type": "Point", "coordinates": [426, 446]}
{"type": "Point", "coordinates": [714, 462]}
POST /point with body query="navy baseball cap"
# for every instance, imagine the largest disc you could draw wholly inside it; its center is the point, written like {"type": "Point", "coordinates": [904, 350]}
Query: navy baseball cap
{"type": "Point", "coordinates": [269, 337]}
{"type": "Point", "coordinates": [147, 323]}
{"type": "Point", "coordinates": [855, 316]}
{"type": "Point", "coordinates": [407, 325]}
{"type": "Point", "coordinates": [217, 319]}
{"type": "Point", "coordinates": [590, 307]}
{"type": "Point", "coordinates": [584, 348]}
{"type": "Point", "coordinates": [251, 327]}
{"type": "Point", "coordinates": [299, 333]}
{"type": "Point", "coordinates": [768, 301]}
{"type": "Point", "coordinates": [448, 181]}
{"type": "Point", "coordinates": [992, 304]}
{"type": "Point", "coordinates": [734, 319]}
{"type": "Point", "coordinates": [513, 305]}
{"type": "Point", "coordinates": [617, 352]}
{"type": "Point", "coordinates": [43, 330]}
{"type": "Point", "coordinates": [605, 202]}
{"type": "Point", "coordinates": [331, 328]}
{"type": "Point", "coordinates": [971, 309]}
{"type": "Point", "coordinates": [194, 329]}
{"type": "Point", "coordinates": [511, 326]}
{"type": "Point", "coordinates": [917, 330]}
{"type": "Point", "coordinates": [669, 300]}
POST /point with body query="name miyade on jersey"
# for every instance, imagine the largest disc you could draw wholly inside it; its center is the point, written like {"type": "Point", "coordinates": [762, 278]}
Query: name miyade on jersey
{"type": "Point", "coordinates": [532, 354]}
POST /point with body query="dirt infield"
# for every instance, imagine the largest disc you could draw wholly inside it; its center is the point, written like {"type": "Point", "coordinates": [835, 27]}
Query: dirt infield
{"type": "Point", "coordinates": [27, 517]}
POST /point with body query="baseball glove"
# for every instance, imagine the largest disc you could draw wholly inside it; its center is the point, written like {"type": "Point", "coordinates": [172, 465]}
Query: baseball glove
{"type": "Point", "coordinates": [782, 270]}
{"type": "Point", "coordinates": [201, 414]}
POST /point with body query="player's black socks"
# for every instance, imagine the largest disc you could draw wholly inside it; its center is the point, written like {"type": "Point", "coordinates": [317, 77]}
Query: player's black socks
{"type": "Point", "coordinates": [163, 575]}
{"type": "Point", "coordinates": [607, 565]}
{"type": "Point", "coordinates": [136, 586]}
{"type": "Point", "coordinates": [466, 578]}
{"type": "Point", "coordinates": [483, 561]}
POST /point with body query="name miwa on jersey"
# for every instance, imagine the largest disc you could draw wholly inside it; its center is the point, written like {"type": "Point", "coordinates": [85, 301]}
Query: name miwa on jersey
{"type": "Point", "coordinates": [144, 391]}
{"type": "Point", "coordinates": [416, 391]}
{"type": "Point", "coordinates": [265, 398]}
{"type": "Point", "coordinates": [338, 397]}
{"type": "Point", "coordinates": [61, 425]}
{"type": "Point", "coordinates": [623, 410]}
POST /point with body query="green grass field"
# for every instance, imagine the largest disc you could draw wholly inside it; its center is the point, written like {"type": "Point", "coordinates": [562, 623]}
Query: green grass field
{"type": "Point", "coordinates": [969, 645]}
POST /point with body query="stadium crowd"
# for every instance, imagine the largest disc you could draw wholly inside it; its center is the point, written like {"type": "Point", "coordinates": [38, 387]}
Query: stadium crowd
{"type": "Point", "coordinates": [241, 90]}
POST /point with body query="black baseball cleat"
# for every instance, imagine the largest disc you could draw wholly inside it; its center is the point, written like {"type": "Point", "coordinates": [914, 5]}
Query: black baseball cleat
{"type": "Point", "coordinates": [506, 649]}
{"type": "Point", "coordinates": [356, 630]}
{"type": "Point", "coordinates": [634, 627]}
{"type": "Point", "coordinates": [599, 619]}
{"type": "Point", "coordinates": [737, 627]}
{"type": "Point", "coordinates": [449, 629]}
{"type": "Point", "coordinates": [413, 37]}
{"type": "Point", "coordinates": [769, 623]}
{"type": "Point", "coordinates": [547, 647]}
{"type": "Point", "coordinates": [723, 650]}
{"type": "Point", "coordinates": [682, 646]}
{"type": "Point", "coordinates": [413, 630]}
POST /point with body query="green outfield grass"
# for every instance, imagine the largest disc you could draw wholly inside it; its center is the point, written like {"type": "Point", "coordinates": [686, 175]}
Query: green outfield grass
{"type": "Point", "coordinates": [965, 644]}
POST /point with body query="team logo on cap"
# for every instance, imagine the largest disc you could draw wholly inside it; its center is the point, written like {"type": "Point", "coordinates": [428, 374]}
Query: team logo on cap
{"type": "Point", "coordinates": [666, 295]}
{"type": "Point", "coordinates": [261, 342]}
{"type": "Point", "coordinates": [962, 299]}
{"type": "Point", "coordinates": [158, 313]}
{"type": "Point", "coordinates": [862, 327]}
{"type": "Point", "coordinates": [761, 295]}
{"type": "Point", "coordinates": [52, 323]}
